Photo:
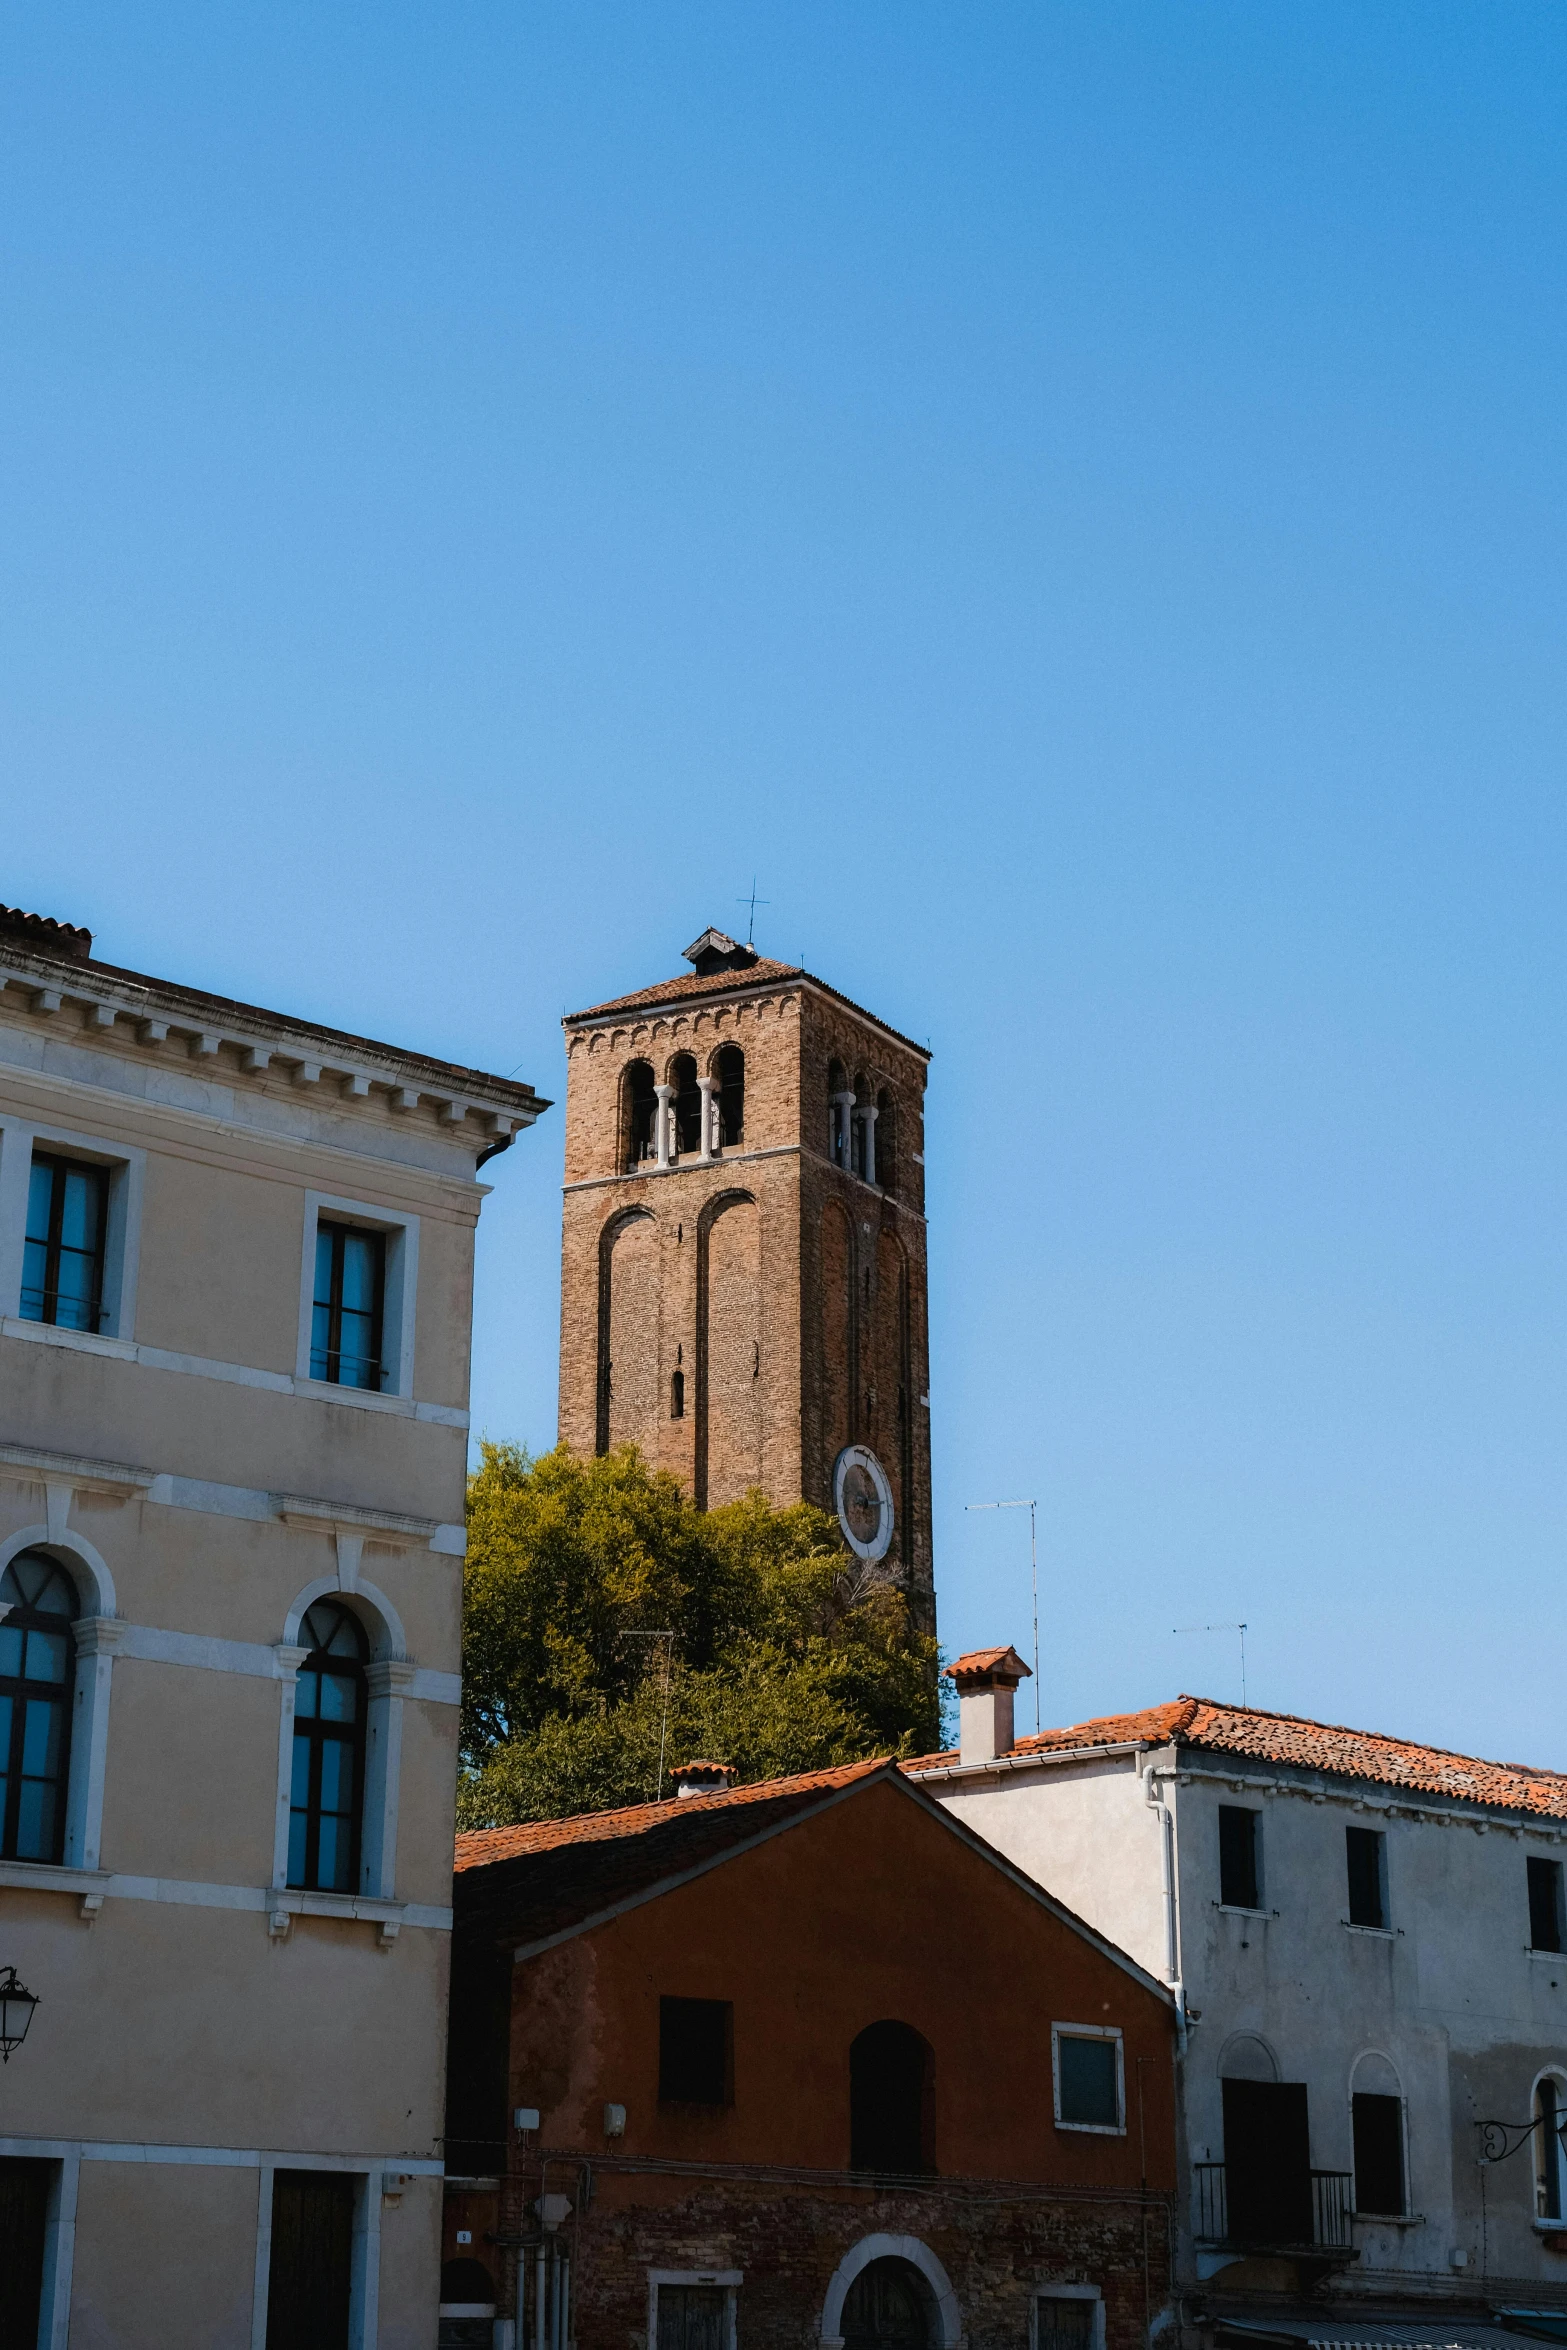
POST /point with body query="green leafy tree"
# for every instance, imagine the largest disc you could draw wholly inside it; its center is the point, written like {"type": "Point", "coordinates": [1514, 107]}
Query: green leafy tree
{"type": "Point", "coordinates": [780, 1653]}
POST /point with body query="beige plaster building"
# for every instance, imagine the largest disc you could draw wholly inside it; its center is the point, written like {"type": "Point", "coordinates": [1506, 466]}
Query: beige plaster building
{"type": "Point", "coordinates": [235, 1277]}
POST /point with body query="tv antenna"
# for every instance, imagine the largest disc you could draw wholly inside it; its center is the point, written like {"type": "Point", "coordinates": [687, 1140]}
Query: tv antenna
{"type": "Point", "coordinates": [753, 901]}
{"type": "Point", "coordinates": [1240, 1628]}
{"type": "Point", "coordinates": [668, 1639]}
{"type": "Point", "coordinates": [1033, 1560]}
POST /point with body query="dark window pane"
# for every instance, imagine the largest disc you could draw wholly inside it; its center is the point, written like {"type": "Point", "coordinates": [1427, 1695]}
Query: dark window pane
{"type": "Point", "coordinates": [298, 1829]}
{"type": "Point", "coordinates": [891, 2101]}
{"type": "Point", "coordinates": [1088, 2084]}
{"type": "Point", "coordinates": [62, 1271]}
{"type": "Point", "coordinates": [1545, 1904]}
{"type": "Point", "coordinates": [41, 1738]}
{"type": "Point", "coordinates": [691, 2317]}
{"type": "Point", "coordinates": [1238, 1872]}
{"type": "Point", "coordinates": [339, 1697]}
{"type": "Point", "coordinates": [307, 1691]}
{"type": "Point", "coordinates": [693, 2051]}
{"type": "Point", "coordinates": [299, 1790]}
{"type": "Point", "coordinates": [1065, 2325]}
{"type": "Point", "coordinates": [11, 1639]}
{"type": "Point", "coordinates": [40, 1196]}
{"type": "Point", "coordinates": [1379, 2154]}
{"type": "Point", "coordinates": [48, 1654]}
{"type": "Point", "coordinates": [35, 1820]}
{"type": "Point", "coordinates": [1363, 1851]}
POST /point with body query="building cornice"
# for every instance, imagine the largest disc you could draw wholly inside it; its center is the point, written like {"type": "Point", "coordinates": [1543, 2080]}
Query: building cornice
{"type": "Point", "coordinates": [633, 1010]}
{"type": "Point", "coordinates": [248, 1041]}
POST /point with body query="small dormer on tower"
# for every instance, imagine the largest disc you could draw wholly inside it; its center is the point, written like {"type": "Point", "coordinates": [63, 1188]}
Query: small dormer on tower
{"type": "Point", "coordinates": [743, 1266]}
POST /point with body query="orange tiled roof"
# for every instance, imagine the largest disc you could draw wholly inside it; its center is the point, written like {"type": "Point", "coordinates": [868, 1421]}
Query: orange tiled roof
{"type": "Point", "coordinates": [762, 973]}
{"type": "Point", "coordinates": [987, 1660]}
{"type": "Point", "coordinates": [1308, 1745]}
{"type": "Point", "coordinates": [478, 1846]}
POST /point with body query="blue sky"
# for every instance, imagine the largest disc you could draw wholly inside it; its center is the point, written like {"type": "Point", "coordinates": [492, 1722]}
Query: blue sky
{"type": "Point", "coordinates": [1071, 498]}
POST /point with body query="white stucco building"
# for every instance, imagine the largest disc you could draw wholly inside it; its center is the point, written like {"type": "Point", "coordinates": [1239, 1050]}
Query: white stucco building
{"type": "Point", "coordinates": [1367, 1938]}
{"type": "Point", "coordinates": [236, 1256]}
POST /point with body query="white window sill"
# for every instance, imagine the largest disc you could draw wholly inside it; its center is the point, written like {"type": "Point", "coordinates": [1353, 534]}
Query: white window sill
{"type": "Point", "coordinates": [364, 1399]}
{"type": "Point", "coordinates": [43, 1876]}
{"type": "Point", "coordinates": [86, 1342]}
{"type": "Point", "coordinates": [1549, 2227]}
{"type": "Point", "coordinates": [1551, 1957]}
{"type": "Point", "coordinates": [1388, 2219]}
{"type": "Point", "coordinates": [1382, 1933]}
{"type": "Point", "coordinates": [1094, 2129]}
{"type": "Point", "coordinates": [1232, 1909]}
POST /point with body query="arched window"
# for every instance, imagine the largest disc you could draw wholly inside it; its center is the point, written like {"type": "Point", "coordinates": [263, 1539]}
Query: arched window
{"type": "Point", "coordinates": [888, 2307]}
{"type": "Point", "coordinates": [640, 1113]}
{"type": "Point", "coordinates": [891, 2100]}
{"type": "Point", "coordinates": [1376, 2109]}
{"type": "Point", "coordinates": [886, 1140]}
{"type": "Point", "coordinates": [1550, 2154]}
{"type": "Point", "coordinates": [467, 2284]}
{"type": "Point", "coordinates": [37, 1667]}
{"type": "Point", "coordinates": [677, 1395]}
{"type": "Point", "coordinates": [837, 1131]}
{"type": "Point", "coordinates": [862, 1094]}
{"type": "Point", "coordinates": [729, 1069]}
{"type": "Point", "coordinates": [687, 1103]}
{"type": "Point", "coordinates": [329, 1740]}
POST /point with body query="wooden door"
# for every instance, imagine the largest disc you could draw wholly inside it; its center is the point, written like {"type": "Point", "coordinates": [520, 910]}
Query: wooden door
{"type": "Point", "coordinates": [24, 2202]}
{"type": "Point", "coordinates": [312, 2258]}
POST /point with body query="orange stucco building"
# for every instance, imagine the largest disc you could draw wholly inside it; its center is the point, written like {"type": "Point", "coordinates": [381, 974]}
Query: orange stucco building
{"type": "Point", "coordinates": [803, 2063]}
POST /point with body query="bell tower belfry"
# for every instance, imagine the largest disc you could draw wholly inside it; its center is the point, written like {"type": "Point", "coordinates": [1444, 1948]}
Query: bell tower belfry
{"type": "Point", "coordinates": [743, 1258]}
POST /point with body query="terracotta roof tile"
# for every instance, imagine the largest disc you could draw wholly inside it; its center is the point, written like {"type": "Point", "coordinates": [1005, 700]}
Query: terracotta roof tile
{"type": "Point", "coordinates": [761, 973]}
{"type": "Point", "coordinates": [988, 1660]}
{"type": "Point", "coordinates": [527, 1886]}
{"type": "Point", "coordinates": [478, 1846]}
{"type": "Point", "coordinates": [1308, 1745]}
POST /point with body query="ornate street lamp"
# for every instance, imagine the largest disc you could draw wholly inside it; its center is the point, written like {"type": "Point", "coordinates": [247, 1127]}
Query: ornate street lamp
{"type": "Point", "coordinates": [16, 2011]}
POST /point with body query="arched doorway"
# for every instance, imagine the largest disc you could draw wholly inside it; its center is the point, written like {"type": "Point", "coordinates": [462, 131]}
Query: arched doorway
{"type": "Point", "coordinates": [889, 2306]}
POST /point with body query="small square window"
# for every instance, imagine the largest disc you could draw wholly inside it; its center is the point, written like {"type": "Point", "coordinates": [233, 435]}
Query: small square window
{"type": "Point", "coordinates": [695, 2052]}
{"type": "Point", "coordinates": [1240, 1876]}
{"type": "Point", "coordinates": [1366, 1855]}
{"type": "Point", "coordinates": [1088, 2078]}
{"type": "Point", "coordinates": [1546, 1921]}
{"type": "Point", "coordinates": [1066, 2321]}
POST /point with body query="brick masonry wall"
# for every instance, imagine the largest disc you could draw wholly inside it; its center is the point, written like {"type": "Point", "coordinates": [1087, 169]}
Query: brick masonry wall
{"type": "Point", "coordinates": [789, 1295]}
{"type": "Point", "coordinates": [996, 2244]}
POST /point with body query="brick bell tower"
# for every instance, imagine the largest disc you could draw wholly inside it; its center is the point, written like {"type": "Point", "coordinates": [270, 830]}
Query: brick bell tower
{"type": "Point", "coordinates": [743, 1261]}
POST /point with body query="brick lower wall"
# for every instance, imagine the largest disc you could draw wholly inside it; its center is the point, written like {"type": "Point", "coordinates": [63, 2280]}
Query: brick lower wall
{"type": "Point", "coordinates": [997, 2244]}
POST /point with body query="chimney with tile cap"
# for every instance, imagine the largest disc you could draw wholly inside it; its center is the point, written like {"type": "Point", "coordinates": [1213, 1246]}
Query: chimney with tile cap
{"type": "Point", "coordinates": [703, 1778]}
{"type": "Point", "coordinates": [986, 1680]}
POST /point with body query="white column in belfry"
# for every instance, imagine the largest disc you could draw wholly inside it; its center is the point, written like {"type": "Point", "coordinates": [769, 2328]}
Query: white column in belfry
{"type": "Point", "coordinates": [709, 1118]}
{"type": "Point", "coordinates": [663, 1120]}
{"type": "Point", "coordinates": [844, 1103]}
{"type": "Point", "coordinates": [869, 1115]}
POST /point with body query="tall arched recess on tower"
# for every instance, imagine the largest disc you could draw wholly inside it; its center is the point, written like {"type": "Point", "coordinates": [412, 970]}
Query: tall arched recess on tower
{"type": "Point", "coordinates": [733, 1351]}
{"type": "Point", "coordinates": [628, 1372]}
{"type": "Point", "coordinates": [837, 1339]}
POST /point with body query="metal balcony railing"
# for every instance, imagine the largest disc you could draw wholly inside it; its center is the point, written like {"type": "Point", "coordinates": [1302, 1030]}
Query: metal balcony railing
{"type": "Point", "coordinates": [1331, 2202]}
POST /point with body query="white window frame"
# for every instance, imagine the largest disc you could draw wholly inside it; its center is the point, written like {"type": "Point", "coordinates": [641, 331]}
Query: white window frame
{"type": "Point", "coordinates": [731, 2279]}
{"type": "Point", "coordinates": [389, 1677]}
{"type": "Point", "coordinates": [1054, 2292]}
{"type": "Point", "coordinates": [1544, 2154]}
{"type": "Point", "coordinates": [127, 1171]}
{"type": "Point", "coordinates": [399, 1298]}
{"type": "Point", "coordinates": [1060, 2032]}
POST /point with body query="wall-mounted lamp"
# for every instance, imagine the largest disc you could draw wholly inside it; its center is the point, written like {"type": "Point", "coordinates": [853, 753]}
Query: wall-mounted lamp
{"type": "Point", "coordinates": [16, 2011]}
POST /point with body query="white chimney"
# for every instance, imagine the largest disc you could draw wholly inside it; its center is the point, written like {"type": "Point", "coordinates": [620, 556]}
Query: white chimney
{"type": "Point", "coordinates": [986, 1681]}
{"type": "Point", "coordinates": [703, 1778]}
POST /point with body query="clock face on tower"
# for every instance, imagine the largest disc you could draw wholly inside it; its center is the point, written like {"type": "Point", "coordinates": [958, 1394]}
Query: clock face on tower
{"type": "Point", "coordinates": [863, 1499]}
